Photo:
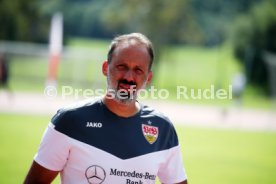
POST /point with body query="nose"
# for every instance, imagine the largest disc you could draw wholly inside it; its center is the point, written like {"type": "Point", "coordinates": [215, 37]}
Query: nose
{"type": "Point", "coordinates": [129, 75]}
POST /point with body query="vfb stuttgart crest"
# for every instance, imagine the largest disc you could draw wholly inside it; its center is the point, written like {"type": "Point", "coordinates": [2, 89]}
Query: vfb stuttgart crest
{"type": "Point", "coordinates": [150, 133]}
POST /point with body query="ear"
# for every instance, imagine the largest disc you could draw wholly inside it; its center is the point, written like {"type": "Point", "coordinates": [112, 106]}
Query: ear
{"type": "Point", "coordinates": [105, 68]}
{"type": "Point", "coordinates": [149, 77]}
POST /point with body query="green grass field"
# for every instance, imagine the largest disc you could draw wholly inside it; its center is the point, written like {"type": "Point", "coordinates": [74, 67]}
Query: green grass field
{"type": "Point", "coordinates": [211, 156]}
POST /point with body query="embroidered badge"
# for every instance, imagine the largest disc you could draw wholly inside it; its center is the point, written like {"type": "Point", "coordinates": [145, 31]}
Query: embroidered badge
{"type": "Point", "coordinates": [150, 133]}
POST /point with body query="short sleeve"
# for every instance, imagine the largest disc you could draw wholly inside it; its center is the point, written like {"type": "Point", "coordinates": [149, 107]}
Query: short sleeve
{"type": "Point", "coordinates": [172, 171]}
{"type": "Point", "coordinates": [53, 150]}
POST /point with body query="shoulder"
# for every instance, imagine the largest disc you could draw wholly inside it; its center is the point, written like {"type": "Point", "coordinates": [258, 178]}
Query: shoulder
{"type": "Point", "coordinates": [73, 112]}
{"type": "Point", "coordinates": [150, 112]}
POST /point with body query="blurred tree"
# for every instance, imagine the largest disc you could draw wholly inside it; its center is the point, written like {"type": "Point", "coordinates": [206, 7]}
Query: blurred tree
{"type": "Point", "coordinates": [182, 21]}
{"type": "Point", "coordinates": [81, 18]}
{"type": "Point", "coordinates": [215, 17]}
{"type": "Point", "coordinates": [255, 33]}
{"type": "Point", "coordinates": [21, 20]}
{"type": "Point", "coordinates": [164, 21]}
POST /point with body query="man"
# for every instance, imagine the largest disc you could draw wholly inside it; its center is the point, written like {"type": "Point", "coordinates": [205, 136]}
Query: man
{"type": "Point", "coordinates": [115, 139]}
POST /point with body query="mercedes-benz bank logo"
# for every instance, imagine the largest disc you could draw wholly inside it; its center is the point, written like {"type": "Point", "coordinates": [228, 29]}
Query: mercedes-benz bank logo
{"type": "Point", "coordinates": [95, 174]}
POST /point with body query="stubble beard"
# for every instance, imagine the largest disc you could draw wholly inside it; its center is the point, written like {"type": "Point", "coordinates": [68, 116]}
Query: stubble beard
{"type": "Point", "coordinates": [123, 96]}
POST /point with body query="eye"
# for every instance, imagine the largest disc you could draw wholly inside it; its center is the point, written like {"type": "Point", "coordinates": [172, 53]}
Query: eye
{"type": "Point", "coordinates": [121, 67]}
{"type": "Point", "coordinates": [139, 71]}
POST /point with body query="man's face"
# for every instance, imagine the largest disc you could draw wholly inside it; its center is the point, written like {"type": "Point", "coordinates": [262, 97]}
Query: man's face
{"type": "Point", "coordinates": [128, 71]}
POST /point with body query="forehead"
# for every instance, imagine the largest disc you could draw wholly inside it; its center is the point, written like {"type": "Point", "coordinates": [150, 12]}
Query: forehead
{"type": "Point", "coordinates": [131, 52]}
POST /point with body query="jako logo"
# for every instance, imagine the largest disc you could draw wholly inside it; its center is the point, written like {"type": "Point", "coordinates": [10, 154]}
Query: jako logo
{"type": "Point", "coordinates": [94, 124]}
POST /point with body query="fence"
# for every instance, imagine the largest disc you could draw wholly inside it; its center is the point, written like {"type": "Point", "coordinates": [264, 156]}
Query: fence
{"type": "Point", "coordinates": [28, 66]}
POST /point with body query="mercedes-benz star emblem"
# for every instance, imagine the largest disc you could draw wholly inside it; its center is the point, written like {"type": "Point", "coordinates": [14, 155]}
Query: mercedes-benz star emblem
{"type": "Point", "coordinates": [95, 174]}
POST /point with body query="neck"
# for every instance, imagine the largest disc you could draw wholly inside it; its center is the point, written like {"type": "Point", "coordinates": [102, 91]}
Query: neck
{"type": "Point", "coordinates": [120, 108]}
